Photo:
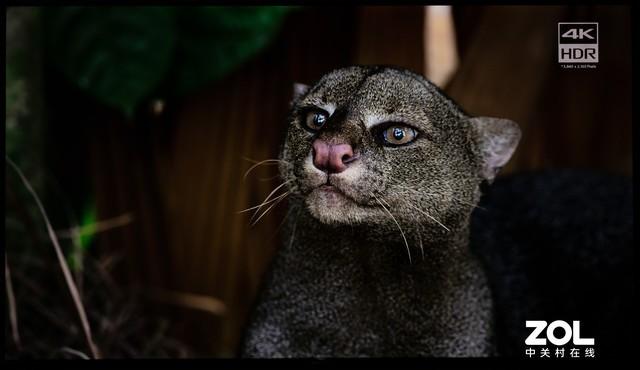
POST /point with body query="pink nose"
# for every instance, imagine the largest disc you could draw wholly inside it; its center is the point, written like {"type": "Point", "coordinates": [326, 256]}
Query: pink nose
{"type": "Point", "coordinates": [331, 158]}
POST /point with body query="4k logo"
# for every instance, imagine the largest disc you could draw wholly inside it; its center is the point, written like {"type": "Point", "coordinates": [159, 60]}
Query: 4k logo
{"type": "Point", "coordinates": [578, 33]}
{"type": "Point", "coordinates": [578, 42]}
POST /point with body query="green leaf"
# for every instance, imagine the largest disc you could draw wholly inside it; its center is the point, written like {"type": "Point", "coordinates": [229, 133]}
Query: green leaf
{"type": "Point", "coordinates": [214, 40]}
{"type": "Point", "coordinates": [87, 225]}
{"type": "Point", "coordinates": [117, 54]}
{"type": "Point", "coordinates": [123, 55]}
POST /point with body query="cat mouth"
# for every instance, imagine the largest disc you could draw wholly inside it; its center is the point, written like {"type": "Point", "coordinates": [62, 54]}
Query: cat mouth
{"type": "Point", "coordinates": [338, 203]}
{"type": "Point", "coordinates": [329, 188]}
{"type": "Point", "coordinates": [333, 190]}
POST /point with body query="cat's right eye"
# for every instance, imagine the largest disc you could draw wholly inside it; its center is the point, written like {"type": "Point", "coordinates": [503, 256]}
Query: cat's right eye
{"type": "Point", "coordinates": [315, 120]}
{"type": "Point", "coordinates": [397, 135]}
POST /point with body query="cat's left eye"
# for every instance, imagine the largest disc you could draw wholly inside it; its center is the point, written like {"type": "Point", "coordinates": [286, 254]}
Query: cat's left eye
{"type": "Point", "coordinates": [398, 135]}
{"type": "Point", "coordinates": [315, 120]}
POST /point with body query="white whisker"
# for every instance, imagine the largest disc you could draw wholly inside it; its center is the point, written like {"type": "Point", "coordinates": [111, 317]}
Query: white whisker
{"type": "Point", "coordinates": [420, 240]}
{"type": "Point", "coordinates": [396, 221]}
{"type": "Point", "coordinates": [293, 233]}
{"type": "Point", "coordinates": [269, 196]}
{"type": "Point", "coordinates": [261, 204]}
{"type": "Point", "coordinates": [428, 215]}
{"type": "Point", "coordinates": [440, 194]}
{"type": "Point", "coordinates": [268, 209]}
{"type": "Point", "coordinates": [260, 163]}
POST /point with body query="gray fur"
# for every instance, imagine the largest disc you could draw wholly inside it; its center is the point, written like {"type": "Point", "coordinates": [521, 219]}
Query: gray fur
{"type": "Point", "coordinates": [345, 283]}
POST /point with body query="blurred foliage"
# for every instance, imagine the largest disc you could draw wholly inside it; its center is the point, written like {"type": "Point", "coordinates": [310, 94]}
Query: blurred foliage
{"type": "Point", "coordinates": [120, 56]}
{"type": "Point", "coordinates": [47, 323]}
{"type": "Point", "coordinates": [86, 232]}
{"type": "Point", "coordinates": [89, 220]}
{"type": "Point", "coordinates": [22, 87]}
{"type": "Point", "coordinates": [123, 326]}
{"type": "Point", "coordinates": [124, 55]}
{"type": "Point", "coordinates": [15, 101]}
{"type": "Point", "coordinates": [23, 116]}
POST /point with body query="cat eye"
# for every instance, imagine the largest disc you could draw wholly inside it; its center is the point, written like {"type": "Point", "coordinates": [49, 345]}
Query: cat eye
{"type": "Point", "coordinates": [397, 135]}
{"type": "Point", "coordinates": [315, 120]}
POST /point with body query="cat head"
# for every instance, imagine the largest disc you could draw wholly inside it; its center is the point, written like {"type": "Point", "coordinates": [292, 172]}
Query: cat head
{"type": "Point", "coordinates": [378, 145]}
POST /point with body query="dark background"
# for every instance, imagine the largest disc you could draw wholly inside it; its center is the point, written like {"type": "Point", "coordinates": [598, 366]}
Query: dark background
{"type": "Point", "coordinates": [180, 173]}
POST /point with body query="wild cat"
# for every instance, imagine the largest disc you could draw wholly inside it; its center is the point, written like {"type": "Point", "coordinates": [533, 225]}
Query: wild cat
{"type": "Point", "coordinates": [382, 172]}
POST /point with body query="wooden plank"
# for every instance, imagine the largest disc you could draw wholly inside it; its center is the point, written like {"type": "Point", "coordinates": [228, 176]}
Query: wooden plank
{"type": "Point", "coordinates": [390, 35]}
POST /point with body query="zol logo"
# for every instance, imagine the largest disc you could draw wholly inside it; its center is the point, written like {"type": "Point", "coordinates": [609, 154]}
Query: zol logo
{"type": "Point", "coordinates": [559, 333]}
{"type": "Point", "coordinates": [570, 333]}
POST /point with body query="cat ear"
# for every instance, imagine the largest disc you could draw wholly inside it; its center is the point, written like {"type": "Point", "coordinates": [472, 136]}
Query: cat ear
{"type": "Point", "coordinates": [497, 139]}
{"type": "Point", "coordinates": [299, 90]}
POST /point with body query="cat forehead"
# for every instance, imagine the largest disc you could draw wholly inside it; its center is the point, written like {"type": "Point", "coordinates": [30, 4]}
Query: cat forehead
{"type": "Point", "coordinates": [376, 94]}
{"type": "Point", "coordinates": [362, 85]}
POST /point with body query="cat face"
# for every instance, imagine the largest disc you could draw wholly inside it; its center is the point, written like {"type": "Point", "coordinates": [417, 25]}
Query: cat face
{"type": "Point", "coordinates": [382, 146]}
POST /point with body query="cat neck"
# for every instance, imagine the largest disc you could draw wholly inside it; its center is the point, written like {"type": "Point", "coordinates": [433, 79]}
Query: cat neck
{"type": "Point", "coordinates": [430, 303]}
{"type": "Point", "coordinates": [418, 252]}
